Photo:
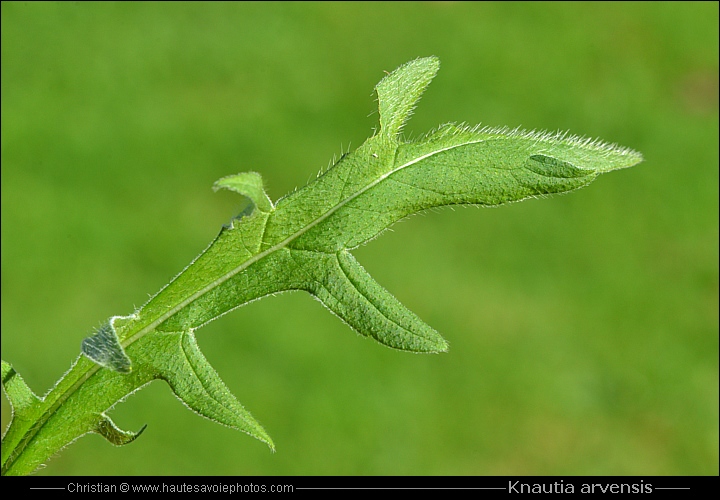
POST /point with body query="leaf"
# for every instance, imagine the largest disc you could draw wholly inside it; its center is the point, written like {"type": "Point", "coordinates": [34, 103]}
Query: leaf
{"type": "Point", "coordinates": [401, 90]}
{"type": "Point", "coordinates": [107, 429]}
{"type": "Point", "coordinates": [24, 403]}
{"type": "Point", "coordinates": [301, 243]}
{"type": "Point", "coordinates": [196, 384]}
{"type": "Point", "coordinates": [21, 397]}
{"type": "Point", "coordinates": [250, 185]}
{"type": "Point", "coordinates": [104, 348]}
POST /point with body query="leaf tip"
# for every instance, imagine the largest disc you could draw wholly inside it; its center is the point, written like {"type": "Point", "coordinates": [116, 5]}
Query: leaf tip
{"type": "Point", "coordinates": [399, 92]}
{"type": "Point", "coordinates": [270, 444]}
{"type": "Point", "coordinates": [434, 345]}
{"type": "Point", "coordinates": [250, 185]}
{"type": "Point", "coordinates": [107, 429]}
{"type": "Point", "coordinates": [444, 347]}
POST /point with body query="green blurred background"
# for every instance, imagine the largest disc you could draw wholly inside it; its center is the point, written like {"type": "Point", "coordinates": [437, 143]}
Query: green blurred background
{"type": "Point", "coordinates": [583, 328]}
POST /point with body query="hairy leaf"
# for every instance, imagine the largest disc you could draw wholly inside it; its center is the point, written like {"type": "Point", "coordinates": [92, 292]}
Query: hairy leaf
{"type": "Point", "coordinates": [300, 243]}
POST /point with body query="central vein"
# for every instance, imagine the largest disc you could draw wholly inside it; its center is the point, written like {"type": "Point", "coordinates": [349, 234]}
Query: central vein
{"type": "Point", "coordinates": [181, 305]}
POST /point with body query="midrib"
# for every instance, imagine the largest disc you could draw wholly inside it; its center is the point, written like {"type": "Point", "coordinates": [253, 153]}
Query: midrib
{"type": "Point", "coordinates": [222, 279]}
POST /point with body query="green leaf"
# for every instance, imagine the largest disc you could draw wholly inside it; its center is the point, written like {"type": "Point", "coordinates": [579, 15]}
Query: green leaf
{"type": "Point", "coordinates": [300, 243]}
{"type": "Point", "coordinates": [401, 90]}
{"type": "Point", "coordinates": [198, 385]}
{"type": "Point", "coordinates": [107, 429]}
{"type": "Point", "coordinates": [250, 185]}
{"type": "Point", "coordinates": [21, 397]}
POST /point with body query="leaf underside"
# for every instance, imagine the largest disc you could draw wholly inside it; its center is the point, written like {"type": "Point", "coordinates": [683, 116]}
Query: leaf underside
{"type": "Point", "coordinates": [302, 243]}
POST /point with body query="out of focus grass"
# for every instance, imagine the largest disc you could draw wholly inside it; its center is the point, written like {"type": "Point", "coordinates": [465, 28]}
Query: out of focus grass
{"type": "Point", "coordinates": [583, 328]}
